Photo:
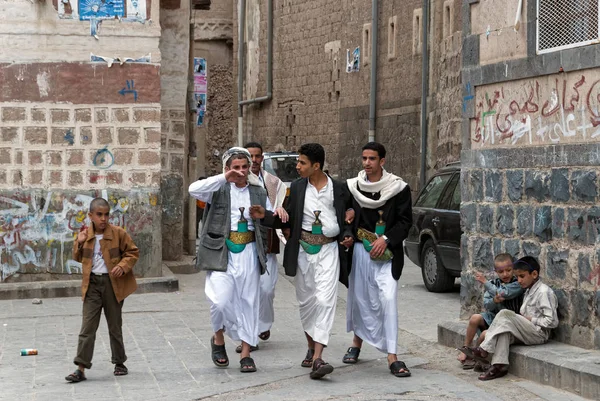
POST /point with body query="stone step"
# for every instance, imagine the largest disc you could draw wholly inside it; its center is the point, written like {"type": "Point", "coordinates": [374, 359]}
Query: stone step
{"type": "Point", "coordinates": [554, 364]}
{"type": "Point", "coordinates": [72, 288]}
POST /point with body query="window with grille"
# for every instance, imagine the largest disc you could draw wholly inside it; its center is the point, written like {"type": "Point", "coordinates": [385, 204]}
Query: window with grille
{"type": "Point", "coordinates": [563, 24]}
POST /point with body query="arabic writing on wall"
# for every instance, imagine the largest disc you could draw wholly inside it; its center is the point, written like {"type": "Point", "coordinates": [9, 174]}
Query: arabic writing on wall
{"type": "Point", "coordinates": [548, 110]}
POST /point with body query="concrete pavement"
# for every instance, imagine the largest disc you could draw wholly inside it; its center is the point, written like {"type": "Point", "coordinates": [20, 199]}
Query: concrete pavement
{"type": "Point", "coordinates": [167, 340]}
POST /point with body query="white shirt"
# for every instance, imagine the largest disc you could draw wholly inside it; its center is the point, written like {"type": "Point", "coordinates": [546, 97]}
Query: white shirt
{"type": "Point", "coordinates": [320, 200]}
{"type": "Point", "coordinates": [240, 197]}
{"type": "Point", "coordinates": [98, 265]}
{"type": "Point", "coordinates": [540, 304]}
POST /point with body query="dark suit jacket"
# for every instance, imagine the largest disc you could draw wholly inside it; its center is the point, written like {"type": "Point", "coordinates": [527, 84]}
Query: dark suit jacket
{"type": "Point", "coordinates": [295, 208]}
{"type": "Point", "coordinates": [397, 214]}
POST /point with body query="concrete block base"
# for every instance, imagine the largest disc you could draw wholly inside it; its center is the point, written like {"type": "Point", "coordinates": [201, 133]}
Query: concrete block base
{"type": "Point", "coordinates": [554, 364]}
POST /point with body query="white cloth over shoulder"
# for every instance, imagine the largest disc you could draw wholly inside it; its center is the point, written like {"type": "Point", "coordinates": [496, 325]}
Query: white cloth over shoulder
{"type": "Point", "coordinates": [316, 290]}
{"type": "Point", "coordinates": [372, 307]}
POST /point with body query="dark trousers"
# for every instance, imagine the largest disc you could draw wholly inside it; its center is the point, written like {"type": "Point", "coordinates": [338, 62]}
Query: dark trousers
{"type": "Point", "coordinates": [100, 295]}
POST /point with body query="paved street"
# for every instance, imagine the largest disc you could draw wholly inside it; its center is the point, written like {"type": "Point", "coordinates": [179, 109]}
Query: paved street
{"type": "Point", "coordinates": [167, 341]}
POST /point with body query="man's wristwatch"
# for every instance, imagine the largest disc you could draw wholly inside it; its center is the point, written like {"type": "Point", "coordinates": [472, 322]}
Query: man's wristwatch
{"type": "Point", "coordinates": [386, 239]}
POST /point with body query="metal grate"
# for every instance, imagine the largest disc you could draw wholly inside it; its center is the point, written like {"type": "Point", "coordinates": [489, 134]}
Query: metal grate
{"type": "Point", "coordinates": [563, 24]}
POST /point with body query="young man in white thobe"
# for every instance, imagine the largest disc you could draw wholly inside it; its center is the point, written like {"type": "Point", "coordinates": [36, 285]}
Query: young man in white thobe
{"type": "Point", "coordinates": [313, 253]}
{"type": "Point", "coordinates": [232, 251]}
{"type": "Point", "coordinates": [383, 216]}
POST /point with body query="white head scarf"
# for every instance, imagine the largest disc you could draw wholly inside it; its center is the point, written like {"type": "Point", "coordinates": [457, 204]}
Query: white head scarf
{"type": "Point", "coordinates": [252, 178]}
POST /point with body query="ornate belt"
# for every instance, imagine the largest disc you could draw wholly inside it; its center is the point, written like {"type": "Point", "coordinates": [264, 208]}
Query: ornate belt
{"type": "Point", "coordinates": [364, 234]}
{"type": "Point", "coordinates": [315, 239]}
{"type": "Point", "coordinates": [241, 238]}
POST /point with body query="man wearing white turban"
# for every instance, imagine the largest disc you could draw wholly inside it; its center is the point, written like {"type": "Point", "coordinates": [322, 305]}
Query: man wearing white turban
{"type": "Point", "coordinates": [232, 251]}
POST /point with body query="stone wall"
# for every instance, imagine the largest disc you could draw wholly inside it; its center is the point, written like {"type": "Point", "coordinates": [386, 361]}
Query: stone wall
{"type": "Point", "coordinates": [174, 77]}
{"type": "Point", "coordinates": [71, 129]}
{"type": "Point", "coordinates": [316, 100]}
{"type": "Point", "coordinates": [541, 202]}
{"type": "Point", "coordinates": [529, 180]}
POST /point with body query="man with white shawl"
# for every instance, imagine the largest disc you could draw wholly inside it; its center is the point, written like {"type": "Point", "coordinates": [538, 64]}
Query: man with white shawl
{"type": "Point", "coordinates": [276, 191]}
{"type": "Point", "coordinates": [232, 251]}
{"type": "Point", "coordinates": [383, 216]}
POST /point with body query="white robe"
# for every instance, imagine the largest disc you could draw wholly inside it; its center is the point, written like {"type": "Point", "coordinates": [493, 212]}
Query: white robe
{"type": "Point", "coordinates": [372, 308]}
{"type": "Point", "coordinates": [233, 294]}
{"type": "Point", "coordinates": [267, 294]}
{"type": "Point", "coordinates": [316, 290]}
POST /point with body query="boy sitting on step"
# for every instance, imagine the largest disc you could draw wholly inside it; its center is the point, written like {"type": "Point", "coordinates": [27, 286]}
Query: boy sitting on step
{"type": "Point", "coordinates": [538, 317]}
{"type": "Point", "coordinates": [503, 292]}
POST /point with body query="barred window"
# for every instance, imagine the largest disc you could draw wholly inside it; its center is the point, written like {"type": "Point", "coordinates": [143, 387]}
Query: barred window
{"type": "Point", "coordinates": [563, 24]}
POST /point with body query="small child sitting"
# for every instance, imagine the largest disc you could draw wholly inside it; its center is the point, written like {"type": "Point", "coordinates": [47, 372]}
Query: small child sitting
{"type": "Point", "coordinates": [533, 326]}
{"type": "Point", "coordinates": [503, 292]}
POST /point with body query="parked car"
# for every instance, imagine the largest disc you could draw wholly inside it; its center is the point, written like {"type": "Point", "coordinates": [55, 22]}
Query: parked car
{"type": "Point", "coordinates": [433, 241]}
{"type": "Point", "coordinates": [282, 165]}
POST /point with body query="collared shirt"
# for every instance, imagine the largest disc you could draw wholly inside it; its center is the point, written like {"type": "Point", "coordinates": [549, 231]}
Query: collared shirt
{"type": "Point", "coordinates": [240, 197]}
{"type": "Point", "coordinates": [98, 264]}
{"type": "Point", "coordinates": [320, 200]}
{"type": "Point", "coordinates": [540, 305]}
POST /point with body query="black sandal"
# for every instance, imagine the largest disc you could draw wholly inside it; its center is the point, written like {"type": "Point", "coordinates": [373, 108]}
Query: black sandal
{"type": "Point", "coordinates": [219, 353]}
{"type": "Point", "coordinates": [120, 370]}
{"type": "Point", "coordinates": [307, 362]}
{"type": "Point", "coordinates": [320, 368]}
{"type": "Point", "coordinates": [76, 377]}
{"type": "Point", "coordinates": [265, 335]}
{"type": "Point", "coordinates": [399, 369]}
{"type": "Point", "coordinates": [494, 372]}
{"type": "Point", "coordinates": [247, 365]}
{"type": "Point", "coordinates": [253, 348]}
{"type": "Point", "coordinates": [476, 353]}
{"type": "Point", "coordinates": [351, 356]}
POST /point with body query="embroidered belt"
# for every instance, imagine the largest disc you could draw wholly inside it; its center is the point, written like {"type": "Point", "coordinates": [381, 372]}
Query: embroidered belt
{"type": "Point", "coordinates": [241, 238]}
{"type": "Point", "coordinates": [363, 234]}
{"type": "Point", "coordinates": [315, 239]}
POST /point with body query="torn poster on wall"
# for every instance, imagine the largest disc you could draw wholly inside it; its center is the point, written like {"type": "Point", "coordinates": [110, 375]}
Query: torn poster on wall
{"type": "Point", "coordinates": [136, 10]}
{"type": "Point", "coordinates": [121, 60]}
{"type": "Point", "coordinates": [200, 89]}
{"type": "Point", "coordinates": [101, 9]}
{"type": "Point", "coordinates": [353, 62]}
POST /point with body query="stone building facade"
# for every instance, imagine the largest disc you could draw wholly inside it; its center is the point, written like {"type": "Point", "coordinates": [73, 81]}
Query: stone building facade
{"type": "Point", "coordinates": [531, 154]}
{"type": "Point", "coordinates": [75, 126]}
{"type": "Point", "coordinates": [315, 99]}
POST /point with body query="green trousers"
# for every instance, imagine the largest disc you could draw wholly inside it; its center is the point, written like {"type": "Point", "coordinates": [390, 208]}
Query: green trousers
{"type": "Point", "coordinates": [99, 296]}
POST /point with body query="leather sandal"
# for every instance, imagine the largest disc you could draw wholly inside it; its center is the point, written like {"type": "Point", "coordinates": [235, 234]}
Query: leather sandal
{"type": "Point", "coordinates": [320, 368]}
{"type": "Point", "coordinates": [76, 377]}
{"type": "Point", "coordinates": [399, 369]}
{"type": "Point", "coordinates": [476, 353]}
{"type": "Point", "coordinates": [120, 370]}
{"type": "Point", "coordinates": [494, 372]}
{"type": "Point", "coordinates": [253, 348]}
{"type": "Point", "coordinates": [307, 362]}
{"type": "Point", "coordinates": [247, 365]}
{"type": "Point", "coordinates": [351, 356]}
{"type": "Point", "coordinates": [218, 354]}
{"type": "Point", "coordinates": [265, 335]}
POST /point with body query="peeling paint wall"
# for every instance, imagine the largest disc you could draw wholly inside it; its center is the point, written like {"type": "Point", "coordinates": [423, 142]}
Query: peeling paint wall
{"type": "Point", "coordinates": [73, 127]}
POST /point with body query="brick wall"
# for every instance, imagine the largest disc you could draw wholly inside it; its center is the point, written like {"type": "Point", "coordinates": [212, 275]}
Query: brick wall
{"type": "Point", "coordinates": [72, 130]}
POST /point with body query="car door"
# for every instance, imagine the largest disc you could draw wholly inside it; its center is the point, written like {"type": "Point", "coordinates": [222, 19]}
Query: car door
{"type": "Point", "coordinates": [447, 224]}
{"type": "Point", "coordinates": [424, 212]}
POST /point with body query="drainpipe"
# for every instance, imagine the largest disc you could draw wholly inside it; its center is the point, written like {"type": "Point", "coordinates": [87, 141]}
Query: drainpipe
{"type": "Point", "coordinates": [269, 95]}
{"type": "Point", "coordinates": [424, 92]}
{"type": "Point", "coordinates": [373, 93]}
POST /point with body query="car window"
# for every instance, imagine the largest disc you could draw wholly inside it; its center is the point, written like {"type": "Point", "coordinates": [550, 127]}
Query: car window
{"type": "Point", "coordinates": [283, 167]}
{"type": "Point", "coordinates": [452, 191]}
{"type": "Point", "coordinates": [430, 195]}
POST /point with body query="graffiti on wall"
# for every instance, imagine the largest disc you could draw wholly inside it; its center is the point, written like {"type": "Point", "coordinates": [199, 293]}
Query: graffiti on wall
{"type": "Point", "coordinates": [37, 229]}
{"type": "Point", "coordinates": [544, 111]}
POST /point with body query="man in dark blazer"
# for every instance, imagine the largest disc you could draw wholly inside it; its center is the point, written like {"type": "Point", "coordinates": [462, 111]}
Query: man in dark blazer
{"type": "Point", "coordinates": [313, 254]}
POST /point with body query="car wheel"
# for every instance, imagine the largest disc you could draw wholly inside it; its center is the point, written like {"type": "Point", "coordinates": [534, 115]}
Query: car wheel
{"type": "Point", "coordinates": [435, 276]}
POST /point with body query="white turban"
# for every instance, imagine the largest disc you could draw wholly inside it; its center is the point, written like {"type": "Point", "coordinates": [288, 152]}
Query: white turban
{"type": "Point", "coordinates": [252, 178]}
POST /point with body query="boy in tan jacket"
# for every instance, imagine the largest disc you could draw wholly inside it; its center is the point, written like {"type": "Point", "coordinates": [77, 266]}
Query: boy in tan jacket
{"type": "Point", "coordinates": [108, 255]}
